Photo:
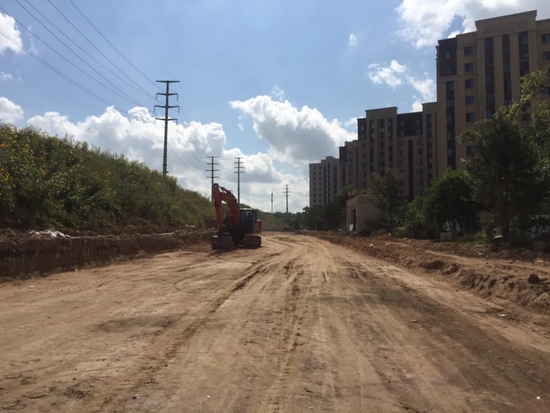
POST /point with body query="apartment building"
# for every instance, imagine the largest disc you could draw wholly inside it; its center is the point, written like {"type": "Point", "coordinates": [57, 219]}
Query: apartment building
{"type": "Point", "coordinates": [479, 72]}
{"type": "Point", "coordinates": [324, 181]}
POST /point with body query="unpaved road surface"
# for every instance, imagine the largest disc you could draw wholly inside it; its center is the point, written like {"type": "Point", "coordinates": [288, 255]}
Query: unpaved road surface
{"type": "Point", "coordinates": [299, 325]}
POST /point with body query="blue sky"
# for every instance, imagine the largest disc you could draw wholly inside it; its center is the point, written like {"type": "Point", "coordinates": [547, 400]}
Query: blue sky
{"type": "Point", "coordinates": [274, 81]}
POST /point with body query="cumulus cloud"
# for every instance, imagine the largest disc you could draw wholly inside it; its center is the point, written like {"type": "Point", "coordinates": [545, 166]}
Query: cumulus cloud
{"type": "Point", "coordinates": [296, 136]}
{"type": "Point", "coordinates": [5, 76]}
{"type": "Point", "coordinates": [427, 21]}
{"type": "Point", "coordinates": [277, 93]}
{"type": "Point", "coordinates": [389, 75]}
{"type": "Point", "coordinates": [352, 40]}
{"type": "Point", "coordinates": [8, 26]}
{"type": "Point", "coordinates": [9, 111]}
{"type": "Point", "coordinates": [138, 137]}
{"type": "Point", "coordinates": [397, 74]}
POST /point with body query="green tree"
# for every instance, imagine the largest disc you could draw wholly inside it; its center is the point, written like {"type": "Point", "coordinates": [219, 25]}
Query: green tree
{"type": "Point", "coordinates": [510, 170]}
{"type": "Point", "coordinates": [451, 201]}
{"type": "Point", "coordinates": [386, 190]}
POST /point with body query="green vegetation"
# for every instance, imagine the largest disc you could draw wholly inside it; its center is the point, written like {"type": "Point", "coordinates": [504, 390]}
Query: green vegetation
{"type": "Point", "coordinates": [47, 181]}
{"type": "Point", "coordinates": [504, 189]}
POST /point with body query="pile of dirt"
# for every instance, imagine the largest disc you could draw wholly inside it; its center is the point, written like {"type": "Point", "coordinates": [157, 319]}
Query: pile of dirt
{"type": "Point", "coordinates": [23, 255]}
{"type": "Point", "coordinates": [518, 281]}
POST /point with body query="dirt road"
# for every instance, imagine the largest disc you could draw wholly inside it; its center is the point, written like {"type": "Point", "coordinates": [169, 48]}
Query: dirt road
{"type": "Point", "coordinates": [299, 325]}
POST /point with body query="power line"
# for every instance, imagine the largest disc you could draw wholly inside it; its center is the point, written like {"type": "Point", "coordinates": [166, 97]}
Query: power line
{"type": "Point", "coordinates": [141, 90]}
{"type": "Point", "coordinates": [97, 49]}
{"type": "Point", "coordinates": [123, 95]}
{"type": "Point", "coordinates": [239, 170]}
{"type": "Point", "coordinates": [136, 38]}
{"type": "Point", "coordinates": [166, 119]}
{"type": "Point", "coordinates": [112, 45]}
{"type": "Point", "coordinates": [212, 171]}
{"type": "Point", "coordinates": [54, 69]}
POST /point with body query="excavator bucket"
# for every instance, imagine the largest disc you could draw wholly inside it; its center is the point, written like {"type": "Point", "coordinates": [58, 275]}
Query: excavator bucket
{"type": "Point", "coordinates": [223, 243]}
{"type": "Point", "coordinates": [252, 241]}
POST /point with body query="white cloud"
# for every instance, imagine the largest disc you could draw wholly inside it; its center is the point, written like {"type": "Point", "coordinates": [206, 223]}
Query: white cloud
{"type": "Point", "coordinates": [296, 136]}
{"type": "Point", "coordinates": [417, 104]}
{"type": "Point", "coordinates": [352, 40]}
{"type": "Point", "coordinates": [5, 76]}
{"type": "Point", "coordinates": [427, 21]}
{"type": "Point", "coordinates": [136, 136]}
{"type": "Point", "coordinates": [9, 111]}
{"type": "Point", "coordinates": [277, 93]}
{"type": "Point", "coordinates": [351, 122]}
{"type": "Point", "coordinates": [8, 26]}
{"type": "Point", "coordinates": [389, 75]}
{"type": "Point", "coordinates": [426, 87]}
{"type": "Point", "coordinates": [397, 74]}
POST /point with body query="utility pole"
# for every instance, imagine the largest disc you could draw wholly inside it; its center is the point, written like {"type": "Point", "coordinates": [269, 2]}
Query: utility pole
{"type": "Point", "coordinates": [271, 201]}
{"type": "Point", "coordinates": [239, 170]}
{"type": "Point", "coordinates": [166, 119]}
{"type": "Point", "coordinates": [212, 173]}
{"type": "Point", "coordinates": [286, 196]}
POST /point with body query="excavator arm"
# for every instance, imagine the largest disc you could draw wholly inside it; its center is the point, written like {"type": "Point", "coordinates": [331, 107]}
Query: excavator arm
{"type": "Point", "coordinates": [220, 194]}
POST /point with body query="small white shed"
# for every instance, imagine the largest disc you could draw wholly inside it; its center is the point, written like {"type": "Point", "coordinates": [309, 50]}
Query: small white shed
{"type": "Point", "coordinates": [360, 210]}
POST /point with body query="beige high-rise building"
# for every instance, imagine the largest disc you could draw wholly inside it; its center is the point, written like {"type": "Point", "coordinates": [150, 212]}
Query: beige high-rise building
{"type": "Point", "coordinates": [476, 74]}
{"type": "Point", "coordinates": [324, 181]}
{"type": "Point", "coordinates": [479, 72]}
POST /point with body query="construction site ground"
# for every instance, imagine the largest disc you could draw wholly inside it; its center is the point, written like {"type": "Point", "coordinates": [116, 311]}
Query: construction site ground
{"type": "Point", "coordinates": [299, 325]}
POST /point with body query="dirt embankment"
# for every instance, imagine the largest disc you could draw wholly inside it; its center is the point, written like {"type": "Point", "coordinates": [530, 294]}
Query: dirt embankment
{"type": "Point", "coordinates": [23, 255]}
{"type": "Point", "coordinates": [502, 276]}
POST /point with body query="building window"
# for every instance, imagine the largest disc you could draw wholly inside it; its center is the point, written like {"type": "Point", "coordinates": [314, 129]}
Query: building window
{"type": "Point", "coordinates": [469, 100]}
{"type": "Point", "coordinates": [419, 161]}
{"type": "Point", "coordinates": [470, 150]}
{"type": "Point", "coordinates": [419, 183]}
{"type": "Point", "coordinates": [506, 51]}
{"type": "Point", "coordinates": [489, 79]}
{"type": "Point", "coordinates": [419, 172]}
{"type": "Point", "coordinates": [489, 44]}
{"type": "Point", "coordinates": [490, 96]}
{"type": "Point", "coordinates": [489, 113]}
{"type": "Point", "coordinates": [468, 67]}
{"type": "Point", "coordinates": [470, 117]}
{"type": "Point", "coordinates": [524, 57]}
{"type": "Point", "coordinates": [523, 39]}
{"type": "Point", "coordinates": [508, 85]}
{"type": "Point", "coordinates": [507, 102]}
{"type": "Point", "coordinates": [449, 136]}
{"type": "Point", "coordinates": [450, 152]}
{"type": "Point", "coordinates": [450, 86]}
{"type": "Point", "coordinates": [419, 141]}
{"type": "Point", "coordinates": [489, 62]}
{"type": "Point", "coordinates": [506, 68]}
{"type": "Point", "coordinates": [545, 38]}
{"type": "Point", "coordinates": [450, 103]}
{"type": "Point", "coordinates": [469, 83]}
{"type": "Point", "coordinates": [468, 50]}
{"type": "Point", "coordinates": [419, 151]}
{"type": "Point", "coordinates": [401, 163]}
{"type": "Point", "coordinates": [545, 56]}
{"type": "Point", "coordinates": [547, 91]}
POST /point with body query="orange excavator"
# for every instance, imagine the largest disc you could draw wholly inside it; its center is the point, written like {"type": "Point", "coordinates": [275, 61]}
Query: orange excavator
{"type": "Point", "coordinates": [239, 228]}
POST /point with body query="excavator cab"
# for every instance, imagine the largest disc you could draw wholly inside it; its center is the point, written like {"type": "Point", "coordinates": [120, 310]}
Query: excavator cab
{"type": "Point", "coordinates": [239, 228]}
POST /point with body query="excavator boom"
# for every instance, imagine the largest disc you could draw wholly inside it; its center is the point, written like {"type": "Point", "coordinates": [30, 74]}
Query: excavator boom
{"type": "Point", "coordinates": [239, 227]}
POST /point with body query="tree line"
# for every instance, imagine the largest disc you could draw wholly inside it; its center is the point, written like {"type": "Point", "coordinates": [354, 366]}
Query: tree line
{"type": "Point", "coordinates": [503, 189]}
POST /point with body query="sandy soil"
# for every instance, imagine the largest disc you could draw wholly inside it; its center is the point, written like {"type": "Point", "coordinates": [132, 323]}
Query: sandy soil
{"type": "Point", "coordinates": [299, 325]}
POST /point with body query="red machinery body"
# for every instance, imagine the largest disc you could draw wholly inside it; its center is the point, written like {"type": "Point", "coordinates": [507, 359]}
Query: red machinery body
{"type": "Point", "coordinates": [239, 228]}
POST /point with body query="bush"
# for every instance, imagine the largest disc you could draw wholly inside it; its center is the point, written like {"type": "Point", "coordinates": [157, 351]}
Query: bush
{"type": "Point", "coordinates": [48, 181]}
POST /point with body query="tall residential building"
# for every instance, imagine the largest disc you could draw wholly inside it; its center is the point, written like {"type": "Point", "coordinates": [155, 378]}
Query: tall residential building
{"type": "Point", "coordinates": [385, 139]}
{"type": "Point", "coordinates": [479, 72]}
{"type": "Point", "coordinates": [324, 181]}
{"type": "Point", "coordinates": [476, 74]}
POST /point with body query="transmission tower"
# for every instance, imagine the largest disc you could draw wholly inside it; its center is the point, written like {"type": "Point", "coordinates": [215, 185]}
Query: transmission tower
{"type": "Point", "coordinates": [166, 119]}
{"type": "Point", "coordinates": [287, 194]}
{"type": "Point", "coordinates": [239, 170]}
{"type": "Point", "coordinates": [212, 173]}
